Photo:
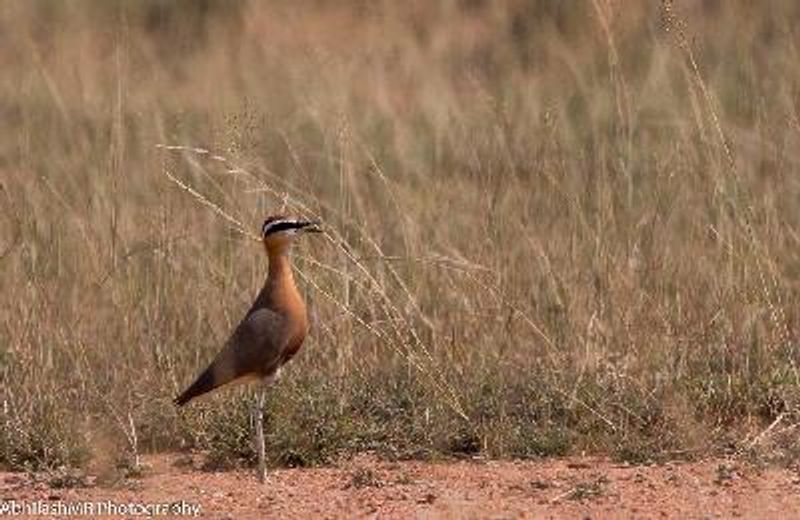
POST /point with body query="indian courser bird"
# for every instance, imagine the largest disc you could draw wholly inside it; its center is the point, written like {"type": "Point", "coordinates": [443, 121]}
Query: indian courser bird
{"type": "Point", "coordinates": [271, 332]}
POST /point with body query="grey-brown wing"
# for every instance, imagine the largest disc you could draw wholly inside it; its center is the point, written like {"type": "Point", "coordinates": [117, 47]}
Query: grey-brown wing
{"type": "Point", "coordinates": [254, 349]}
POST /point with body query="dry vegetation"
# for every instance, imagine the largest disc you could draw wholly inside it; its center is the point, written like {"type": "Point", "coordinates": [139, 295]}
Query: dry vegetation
{"type": "Point", "coordinates": [554, 226]}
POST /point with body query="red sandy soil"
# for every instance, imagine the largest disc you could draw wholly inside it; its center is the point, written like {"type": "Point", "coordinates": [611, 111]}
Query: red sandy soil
{"type": "Point", "coordinates": [366, 487]}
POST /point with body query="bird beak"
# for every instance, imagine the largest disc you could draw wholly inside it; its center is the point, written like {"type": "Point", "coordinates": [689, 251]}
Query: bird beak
{"type": "Point", "coordinates": [311, 226]}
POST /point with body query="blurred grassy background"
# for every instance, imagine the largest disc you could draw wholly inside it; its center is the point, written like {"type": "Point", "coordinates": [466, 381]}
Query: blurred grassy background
{"type": "Point", "coordinates": [555, 226]}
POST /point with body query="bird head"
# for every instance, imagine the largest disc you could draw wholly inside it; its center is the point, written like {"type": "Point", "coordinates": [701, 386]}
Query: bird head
{"type": "Point", "coordinates": [278, 232]}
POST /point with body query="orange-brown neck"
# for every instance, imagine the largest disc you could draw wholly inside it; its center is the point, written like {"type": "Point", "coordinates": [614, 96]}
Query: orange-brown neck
{"type": "Point", "coordinates": [280, 268]}
{"type": "Point", "coordinates": [282, 296]}
{"type": "Point", "coordinates": [282, 291]}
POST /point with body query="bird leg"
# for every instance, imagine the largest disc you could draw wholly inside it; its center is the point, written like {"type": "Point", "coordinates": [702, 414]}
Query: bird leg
{"type": "Point", "coordinates": [258, 418]}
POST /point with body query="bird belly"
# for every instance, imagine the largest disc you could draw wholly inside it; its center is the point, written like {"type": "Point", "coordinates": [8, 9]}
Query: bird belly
{"type": "Point", "coordinates": [293, 347]}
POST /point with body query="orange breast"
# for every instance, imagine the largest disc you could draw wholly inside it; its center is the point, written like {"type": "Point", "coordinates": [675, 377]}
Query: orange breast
{"type": "Point", "coordinates": [284, 298]}
{"type": "Point", "coordinates": [298, 326]}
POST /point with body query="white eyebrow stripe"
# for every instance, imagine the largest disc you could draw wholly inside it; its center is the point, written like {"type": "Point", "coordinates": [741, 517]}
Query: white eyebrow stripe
{"type": "Point", "coordinates": [267, 227]}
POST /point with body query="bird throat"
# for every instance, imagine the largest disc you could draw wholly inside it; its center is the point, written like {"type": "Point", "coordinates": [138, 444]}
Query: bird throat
{"type": "Point", "coordinates": [281, 290]}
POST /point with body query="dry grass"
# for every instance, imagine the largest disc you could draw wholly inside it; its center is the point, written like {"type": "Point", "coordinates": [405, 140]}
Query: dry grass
{"type": "Point", "coordinates": [553, 226]}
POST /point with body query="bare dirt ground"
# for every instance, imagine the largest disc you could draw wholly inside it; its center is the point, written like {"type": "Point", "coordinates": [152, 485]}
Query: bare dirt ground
{"type": "Point", "coordinates": [366, 487]}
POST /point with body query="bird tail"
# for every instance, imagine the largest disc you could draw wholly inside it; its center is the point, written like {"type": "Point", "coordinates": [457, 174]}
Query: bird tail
{"type": "Point", "coordinates": [221, 372]}
{"type": "Point", "coordinates": [204, 383]}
